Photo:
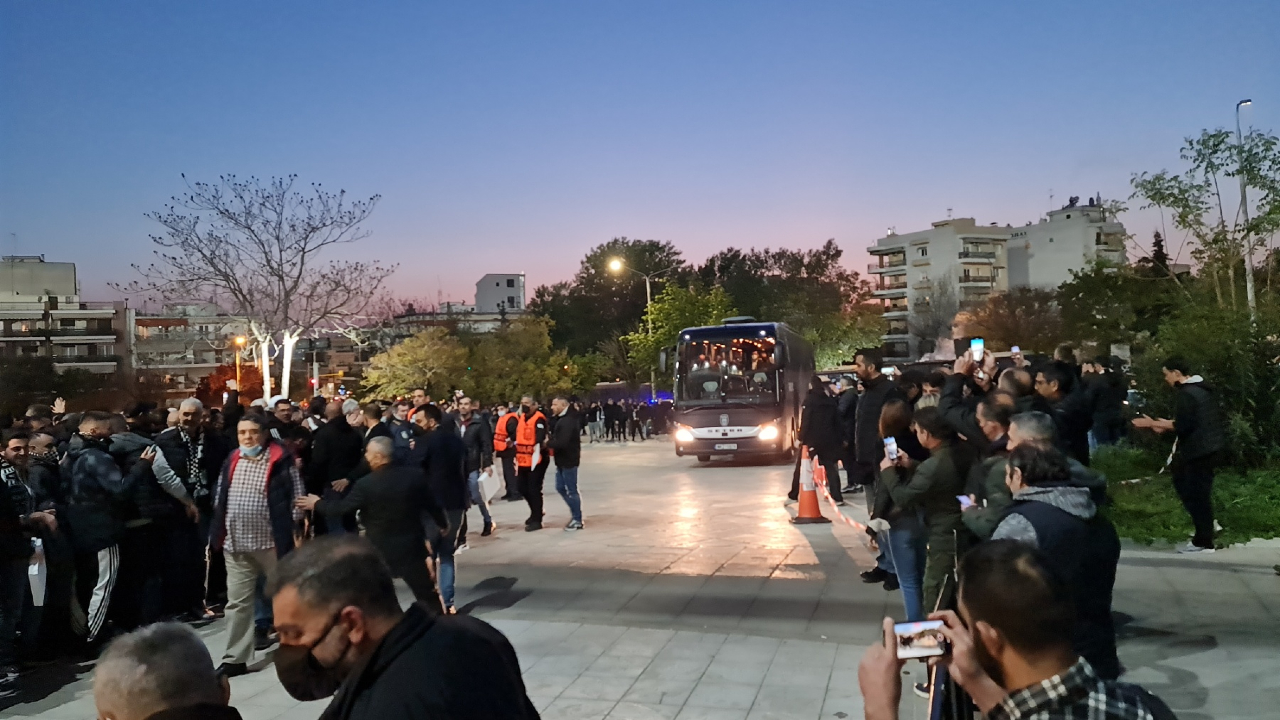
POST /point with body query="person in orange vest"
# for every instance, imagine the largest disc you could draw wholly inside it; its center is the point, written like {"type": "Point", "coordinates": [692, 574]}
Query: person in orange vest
{"type": "Point", "coordinates": [532, 459]}
{"type": "Point", "coordinates": [504, 447]}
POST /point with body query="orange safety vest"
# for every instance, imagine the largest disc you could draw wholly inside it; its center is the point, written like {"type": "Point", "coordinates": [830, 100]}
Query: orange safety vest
{"type": "Point", "coordinates": [501, 438]}
{"type": "Point", "coordinates": [527, 438]}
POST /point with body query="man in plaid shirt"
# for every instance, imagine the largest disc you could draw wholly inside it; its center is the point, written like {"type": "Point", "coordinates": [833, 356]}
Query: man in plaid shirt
{"type": "Point", "coordinates": [1010, 649]}
{"type": "Point", "coordinates": [253, 523]}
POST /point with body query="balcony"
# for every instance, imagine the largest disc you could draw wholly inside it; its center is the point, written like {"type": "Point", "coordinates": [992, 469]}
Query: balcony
{"type": "Point", "coordinates": [977, 281]}
{"type": "Point", "coordinates": [888, 264]}
{"type": "Point", "coordinates": [78, 333]}
{"type": "Point", "coordinates": [978, 255]}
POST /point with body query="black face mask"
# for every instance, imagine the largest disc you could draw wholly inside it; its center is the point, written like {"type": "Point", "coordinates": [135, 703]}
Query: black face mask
{"type": "Point", "coordinates": [301, 673]}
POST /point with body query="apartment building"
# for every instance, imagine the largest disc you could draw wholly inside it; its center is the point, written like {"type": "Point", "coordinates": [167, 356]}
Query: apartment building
{"type": "Point", "coordinates": [182, 344]}
{"type": "Point", "coordinates": [497, 292]}
{"type": "Point", "coordinates": [499, 297]}
{"type": "Point", "coordinates": [42, 315]}
{"type": "Point", "coordinates": [955, 256]}
{"type": "Point", "coordinates": [1071, 238]}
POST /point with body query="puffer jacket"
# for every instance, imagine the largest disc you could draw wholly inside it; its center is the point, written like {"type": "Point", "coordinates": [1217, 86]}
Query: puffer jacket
{"type": "Point", "coordinates": [97, 493]}
{"type": "Point", "coordinates": [147, 500]}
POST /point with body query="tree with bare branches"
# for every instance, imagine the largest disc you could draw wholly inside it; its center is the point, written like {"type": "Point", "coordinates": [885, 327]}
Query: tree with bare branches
{"type": "Point", "coordinates": [257, 250]}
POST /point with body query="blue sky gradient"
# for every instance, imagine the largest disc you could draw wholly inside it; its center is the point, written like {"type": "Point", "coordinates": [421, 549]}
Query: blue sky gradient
{"type": "Point", "coordinates": [510, 136]}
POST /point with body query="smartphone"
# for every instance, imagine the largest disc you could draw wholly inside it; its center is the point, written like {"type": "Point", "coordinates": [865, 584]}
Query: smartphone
{"type": "Point", "coordinates": [891, 448]}
{"type": "Point", "coordinates": [1015, 349]}
{"type": "Point", "coordinates": [920, 639]}
{"type": "Point", "coordinates": [965, 502]}
{"type": "Point", "coordinates": [976, 346]}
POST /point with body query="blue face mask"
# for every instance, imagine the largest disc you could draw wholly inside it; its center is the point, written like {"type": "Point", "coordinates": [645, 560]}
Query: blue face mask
{"type": "Point", "coordinates": [254, 451]}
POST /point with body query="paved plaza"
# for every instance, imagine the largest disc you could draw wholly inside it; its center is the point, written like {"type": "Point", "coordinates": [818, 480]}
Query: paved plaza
{"type": "Point", "coordinates": [691, 596]}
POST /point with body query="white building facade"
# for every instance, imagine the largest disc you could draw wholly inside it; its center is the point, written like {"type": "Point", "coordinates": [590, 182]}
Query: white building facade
{"type": "Point", "coordinates": [496, 292]}
{"type": "Point", "coordinates": [1044, 254]}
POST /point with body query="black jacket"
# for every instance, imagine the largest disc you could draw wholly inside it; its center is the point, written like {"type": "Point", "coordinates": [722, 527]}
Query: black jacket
{"type": "Point", "coordinates": [848, 407]}
{"type": "Point", "coordinates": [147, 500]}
{"type": "Point", "coordinates": [98, 493]}
{"type": "Point", "coordinates": [870, 448]}
{"type": "Point", "coordinates": [336, 450]}
{"type": "Point", "coordinates": [820, 422]}
{"type": "Point", "coordinates": [960, 413]}
{"type": "Point", "coordinates": [449, 667]}
{"type": "Point", "coordinates": [565, 441]}
{"type": "Point", "coordinates": [1073, 416]}
{"type": "Point", "coordinates": [1198, 422]}
{"type": "Point", "coordinates": [177, 456]}
{"type": "Point", "coordinates": [478, 439]}
{"type": "Point", "coordinates": [443, 458]}
{"type": "Point", "coordinates": [392, 501]}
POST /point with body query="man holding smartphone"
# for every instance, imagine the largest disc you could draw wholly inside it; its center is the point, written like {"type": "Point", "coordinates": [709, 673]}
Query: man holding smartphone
{"type": "Point", "coordinates": [1201, 435]}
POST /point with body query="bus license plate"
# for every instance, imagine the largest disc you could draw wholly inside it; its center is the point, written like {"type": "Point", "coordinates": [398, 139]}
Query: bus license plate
{"type": "Point", "coordinates": [727, 446]}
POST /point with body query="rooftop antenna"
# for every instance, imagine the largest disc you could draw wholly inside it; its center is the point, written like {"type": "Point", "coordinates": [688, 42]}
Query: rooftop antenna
{"type": "Point", "coordinates": [1050, 199]}
{"type": "Point", "coordinates": [948, 213]}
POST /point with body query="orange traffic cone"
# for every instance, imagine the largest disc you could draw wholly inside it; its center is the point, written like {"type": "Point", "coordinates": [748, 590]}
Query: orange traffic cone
{"type": "Point", "coordinates": [808, 511]}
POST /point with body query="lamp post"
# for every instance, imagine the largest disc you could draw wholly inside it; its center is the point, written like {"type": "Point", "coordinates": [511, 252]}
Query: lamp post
{"type": "Point", "coordinates": [1244, 209]}
{"type": "Point", "coordinates": [240, 341]}
{"type": "Point", "coordinates": [617, 265]}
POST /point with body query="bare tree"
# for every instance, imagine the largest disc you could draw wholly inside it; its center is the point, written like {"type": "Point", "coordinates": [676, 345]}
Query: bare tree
{"type": "Point", "coordinates": [934, 310]}
{"type": "Point", "coordinates": [256, 250]}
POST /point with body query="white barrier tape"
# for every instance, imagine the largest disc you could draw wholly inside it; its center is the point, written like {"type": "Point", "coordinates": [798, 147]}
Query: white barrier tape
{"type": "Point", "coordinates": [820, 479]}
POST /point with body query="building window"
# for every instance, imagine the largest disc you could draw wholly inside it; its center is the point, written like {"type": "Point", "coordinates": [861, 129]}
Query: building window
{"type": "Point", "coordinates": [511, 282]}
{"type": "Point", "coordinates": [924, 252]}
{"type": "Point", "coordinates": [511, 301]}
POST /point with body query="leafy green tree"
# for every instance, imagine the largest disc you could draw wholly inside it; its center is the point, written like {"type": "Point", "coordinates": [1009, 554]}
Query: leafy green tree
{"type": "Point", "coordinates": [432, 359]}
{"type": "Point", "coordinates": [519, 359]}
{"type": "Point", "coordinates": [601, 304]}
{"type": "Point", "coordinates": [1026, 317]}
{"type": "Point", "coordinates": [26, 381]}
{"type": "Point", "coordinates": [675, 309]}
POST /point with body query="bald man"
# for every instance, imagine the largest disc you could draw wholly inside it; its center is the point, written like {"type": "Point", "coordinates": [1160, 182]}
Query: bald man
{"type": "Point", "coordinates": [161, 672]}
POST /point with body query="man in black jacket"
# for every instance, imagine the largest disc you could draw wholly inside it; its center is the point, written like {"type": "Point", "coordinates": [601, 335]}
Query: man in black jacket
{"type": "Point", "coordinates": [392, 502]}
{"type": "Point", "coordinates": [1070, 406]}
{"type": "Point", "coordinates": [343, 634]}
{"type": "Point", "coordinates": [93, 514]}
{"type": "Point", "coordinates": [869, 447]}
{"type": "Point", "coordinates": [1202, 437]}
{"type": "Point", "coordinates": [336, 451]}
{"type": "Point", "coordinates": [444, 459]}
{"type": "Point", "coordinates": [478, 439]}
{"type": "Point", "coordinates": [820, 432]}
{"type": "Point", "coordinates": [565, 443]}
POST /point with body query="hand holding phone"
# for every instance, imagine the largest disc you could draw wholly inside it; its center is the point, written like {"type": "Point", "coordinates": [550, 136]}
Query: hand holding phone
{"type": "Point", "coordinates": [920, 639]}
{"type": "Point", "coordinates": [966, 502]}
{"type": "Point", "coordinates": [976, 347]}
{"type": "Point", "coordinates": [891, 448]}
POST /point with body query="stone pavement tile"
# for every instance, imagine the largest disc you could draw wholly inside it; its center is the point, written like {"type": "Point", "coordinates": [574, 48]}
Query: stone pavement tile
{"type": "Point", "coordinates": [640, 642]}
{"type": "Point", "coordinates": [304, 711]}
{"type": "Point", "coordinates": [720, 694]}
{"type": "Point", "coordinates": [847, 701]}
{"type": "Point", "coordinates": [575, 709]}
{"type": "Point", "coordinates": [796, 674]}
{"type": "Point", "coordinates": [540, 702]}
{"type": "Point", "coordinates": [733, 670]}
{"type": "Point", "coordinates": [598, 687]}
{"type": "Point", "coordinates": [790, 701]}
{"type": "Point", "coordinates": [629, 666]}
{"type": "Point", "coordinates": [547, 684]}
{"type": "Point", "coordinates": [656, 690]}
{"type": "Point", "coordinates": [641, 711]}
{"type": "Point", "coordinates": [677, 668]}
{"type": "Point", "coordinates": [701, 713]}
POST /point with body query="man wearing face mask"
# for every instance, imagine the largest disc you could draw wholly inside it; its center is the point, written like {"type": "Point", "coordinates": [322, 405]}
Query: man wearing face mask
{"type": "Point", "coordinates": [532, 459]}
{"type": "Point", "coordinates": [1011, 648]}
{"type": "Point", "coordinates": [97, 490]}
{"type": "Point", "coordinates": [343, 634]}
{"type": "Point", "coordinates": [253, 519]}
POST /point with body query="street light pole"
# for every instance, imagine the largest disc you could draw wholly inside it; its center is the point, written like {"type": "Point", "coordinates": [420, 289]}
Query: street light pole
{"type": "Point", "coordinates": [1244, 209]}
{"type": "Point", "coordinates": [617, 264]}
{"type": "Point", "coordinates": [239, 346]}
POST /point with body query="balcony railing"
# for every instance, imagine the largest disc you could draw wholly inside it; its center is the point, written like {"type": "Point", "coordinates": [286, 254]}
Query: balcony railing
{"type": "Point", "coordinates": [80, 359]}
{"type": "Point", "coordinates": [984, 279]}
{"type": "Point", "coordinates": [896, 261]}
{"type": "Point", "coordinates": [893, 285]}
{"type": "Point", "coordinates": [57, 332]}
{"type": "Point", "coordinates": [977, 255]}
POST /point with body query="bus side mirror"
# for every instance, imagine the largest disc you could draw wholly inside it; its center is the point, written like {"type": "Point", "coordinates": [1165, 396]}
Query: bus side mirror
{"type": "Point", "coordinates": [662, 360]}
{"type": "Point", "coordinates": [778, 355]}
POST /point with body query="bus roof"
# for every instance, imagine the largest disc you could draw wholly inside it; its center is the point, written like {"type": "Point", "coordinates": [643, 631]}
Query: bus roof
{"type": "Point", "coordinates": [743, 330]}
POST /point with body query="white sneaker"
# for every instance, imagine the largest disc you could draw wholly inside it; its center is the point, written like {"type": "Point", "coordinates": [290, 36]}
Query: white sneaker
{"type": "Point", "coordinates": [1191, 549]}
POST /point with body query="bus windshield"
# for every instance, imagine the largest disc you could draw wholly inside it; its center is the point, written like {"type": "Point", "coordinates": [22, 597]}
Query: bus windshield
{"type": "Point", "coordinates": [728, 370]}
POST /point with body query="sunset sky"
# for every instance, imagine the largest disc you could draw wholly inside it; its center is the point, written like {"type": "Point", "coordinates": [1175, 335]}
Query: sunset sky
{"type": "Point", "coordinates": [507, 137]}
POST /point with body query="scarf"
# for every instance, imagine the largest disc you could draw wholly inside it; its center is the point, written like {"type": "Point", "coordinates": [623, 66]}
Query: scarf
{"type": "Point", "coordinates": [196, 484]}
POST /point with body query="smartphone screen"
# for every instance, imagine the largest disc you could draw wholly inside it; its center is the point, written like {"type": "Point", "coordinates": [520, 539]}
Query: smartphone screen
{"type": "Point", "coordinates": [965, 502]}
{"type": "Point", "coordinates": [891, 448]}
{"type": "Point", "coordinates": [920, 639]}
{"type": "Point", "coordinates": [1015, 349]}
{"type": "Point", "coordinates": [976, 346]}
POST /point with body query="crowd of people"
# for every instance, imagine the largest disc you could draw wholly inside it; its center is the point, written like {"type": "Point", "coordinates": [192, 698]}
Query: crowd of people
{"type": "Point", "coordinates": [980, 496]}
{"type": "Point", "coordinates": [110, 522]}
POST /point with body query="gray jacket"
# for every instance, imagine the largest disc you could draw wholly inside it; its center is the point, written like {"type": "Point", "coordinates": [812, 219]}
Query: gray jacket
{"type": "Point", "coordinates": [1072, 500]}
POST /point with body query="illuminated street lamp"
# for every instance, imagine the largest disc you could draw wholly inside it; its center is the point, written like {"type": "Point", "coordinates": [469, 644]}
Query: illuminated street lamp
{"type": "Point", "coordinates": [617, 265]}
{"type": "Point", "coordinates": [240, 341]}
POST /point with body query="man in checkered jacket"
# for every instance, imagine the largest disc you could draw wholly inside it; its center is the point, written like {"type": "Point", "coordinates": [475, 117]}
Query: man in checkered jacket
{"type": "Point", "coordinates": [1010, 649]}
{"type": "Point", "coordinates": [253, 521]}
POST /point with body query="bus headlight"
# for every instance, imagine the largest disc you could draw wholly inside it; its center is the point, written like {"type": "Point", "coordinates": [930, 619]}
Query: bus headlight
{"type": "Point", "coordinates": [768, 432]}
{"type": "Point", "coordinates": [683, 434]}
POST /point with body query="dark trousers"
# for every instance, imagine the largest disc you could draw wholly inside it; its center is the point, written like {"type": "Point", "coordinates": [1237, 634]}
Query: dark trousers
{"type": "Point", "coordinates": [509, 477]}
{"type": "Point", "coordinates": [18, 614]}
{"type": "Point", "coordinates": [138, 593]}
{"type": "Point", "coordinates": [418, 577]}
{"type": "Point", "coordinates": [828, 460]}
{"type": "Point", "coordinates": [56, 632]}
{"type": "Point", "coordinates": [530, 486]}
{"type": "Point", "coordinates": [186, 565]}
{"type": "Point", "coordinates": [1193, 479]}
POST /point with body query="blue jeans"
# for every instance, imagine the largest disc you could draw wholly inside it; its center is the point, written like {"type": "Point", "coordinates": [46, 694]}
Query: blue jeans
{"type": "Point", "coordinates": [567, 486]}
{"type": "Point", "coordinates": [907, 545]}
{"type": "Point", "coordinates": [263, 617]}
{"type": "Point", "coordinates": [477, 497]}
{"type": "Point", "coordinates": [444, 545]}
